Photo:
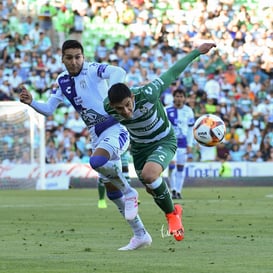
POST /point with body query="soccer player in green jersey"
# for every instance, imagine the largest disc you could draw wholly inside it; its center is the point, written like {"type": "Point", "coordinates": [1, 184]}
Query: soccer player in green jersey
{"type": "Point", "coordinates": [153, 143]}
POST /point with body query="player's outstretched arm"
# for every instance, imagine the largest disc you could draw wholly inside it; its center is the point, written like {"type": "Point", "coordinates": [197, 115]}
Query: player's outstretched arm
{"type": "Point", "coordinates": [175, 70]}
{"type": "Point", "coordinates": [44, 108]}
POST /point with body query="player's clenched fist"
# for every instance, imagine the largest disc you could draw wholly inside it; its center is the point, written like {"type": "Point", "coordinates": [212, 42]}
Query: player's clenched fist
{"type": "Point", "coordinates": [206, 47]}
{"type": "Point", "coordinates": [25, 96]}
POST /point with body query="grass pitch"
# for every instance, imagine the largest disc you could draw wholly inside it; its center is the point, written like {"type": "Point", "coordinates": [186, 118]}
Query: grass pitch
{"type": "Point", "coordinates": [226, 230]}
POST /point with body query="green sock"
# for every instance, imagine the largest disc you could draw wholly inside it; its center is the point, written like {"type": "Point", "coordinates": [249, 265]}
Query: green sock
{"type": "Point", "coordinates": [101, 190]}
{"type": "Point", "coordinates": [163, 198]}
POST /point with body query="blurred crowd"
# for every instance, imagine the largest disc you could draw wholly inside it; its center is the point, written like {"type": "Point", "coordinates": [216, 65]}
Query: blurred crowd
{"type": "Point", "coordinates": [235, 81]}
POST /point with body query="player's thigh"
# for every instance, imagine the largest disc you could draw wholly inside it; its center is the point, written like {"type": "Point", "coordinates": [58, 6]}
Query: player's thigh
{"type": "Point", "coordinates": [181, 156]}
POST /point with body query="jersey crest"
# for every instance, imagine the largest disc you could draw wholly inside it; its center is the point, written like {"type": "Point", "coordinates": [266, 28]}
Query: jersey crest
{"type": "Point", "coordinates": [83, 84]}
{"type": "Point", "coordinates": [143, 109]}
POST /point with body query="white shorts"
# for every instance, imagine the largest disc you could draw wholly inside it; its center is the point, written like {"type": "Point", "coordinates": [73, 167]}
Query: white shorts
{"type": "Point", "coordinates": [115, 140]}
{"type": "Point", "coordinates": [180, 156]}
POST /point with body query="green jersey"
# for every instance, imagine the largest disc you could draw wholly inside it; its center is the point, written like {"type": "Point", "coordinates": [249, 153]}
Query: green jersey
{"type": "Point", "coordinates": [149, 122]}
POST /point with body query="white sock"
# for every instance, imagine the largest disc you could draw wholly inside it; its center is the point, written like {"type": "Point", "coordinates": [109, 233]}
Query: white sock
{"type": "Point", "coordinates": [155, 184]}
{"type": "Point", "coordinates": [172, 179]}
{"type": "Point", "coordinates": [136, 224]}
{"type": "Point", "coordinates": [179, 181]}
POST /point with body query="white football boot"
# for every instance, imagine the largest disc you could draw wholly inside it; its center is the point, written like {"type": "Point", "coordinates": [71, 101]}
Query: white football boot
{"type": "Point", "coordinates": [135, 242]}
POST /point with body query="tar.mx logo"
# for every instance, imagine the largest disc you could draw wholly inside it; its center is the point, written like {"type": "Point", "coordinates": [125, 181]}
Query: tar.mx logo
{"type": "Point", "coordinates": [166, 233]}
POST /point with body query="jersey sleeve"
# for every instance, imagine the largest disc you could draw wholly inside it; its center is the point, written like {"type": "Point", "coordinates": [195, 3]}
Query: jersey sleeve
{"type": "Point", "coordinates": [46, 108]}
{"type": "Point", "coordinates": [113, 74]}
{"type": "Point", "coordinates": [174, 71]}
{"type": "Point", "coordinates": [151, 91]}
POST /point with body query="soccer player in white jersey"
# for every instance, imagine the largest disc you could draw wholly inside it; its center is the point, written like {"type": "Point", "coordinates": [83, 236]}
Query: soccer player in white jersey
{"type": "Point", "coordinates": [85, 85]}
{"type": "Point", "coordinates": [153, 142]}
{"type": "Point", "coordinates": [182, 119]}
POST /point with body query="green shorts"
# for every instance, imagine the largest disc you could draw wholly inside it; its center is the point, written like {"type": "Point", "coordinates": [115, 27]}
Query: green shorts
{"type": "Point", "coordinates": [161, 152]}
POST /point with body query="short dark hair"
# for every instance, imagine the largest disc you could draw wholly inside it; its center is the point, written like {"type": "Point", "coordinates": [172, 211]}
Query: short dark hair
{"type": "Point", "coordinates": [72, 44]}
{"type": "Point", "coordinates": [179, 91]}
{"type": "Point", "coordinates": [118, 92]}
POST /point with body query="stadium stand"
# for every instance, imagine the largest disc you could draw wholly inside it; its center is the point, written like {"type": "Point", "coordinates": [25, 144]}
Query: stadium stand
{"type": "Point", "coordinates": [158, 31]}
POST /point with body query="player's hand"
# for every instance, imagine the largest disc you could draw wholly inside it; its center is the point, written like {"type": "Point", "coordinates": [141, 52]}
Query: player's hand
{"type": "Point", "coordinates": [206, 47]}
{"type": "Point", "coordinates": [25, 96]}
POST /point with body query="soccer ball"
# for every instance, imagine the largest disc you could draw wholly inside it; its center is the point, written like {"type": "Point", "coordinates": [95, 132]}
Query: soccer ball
{"type": "Point", "coordinates": [209, 130]}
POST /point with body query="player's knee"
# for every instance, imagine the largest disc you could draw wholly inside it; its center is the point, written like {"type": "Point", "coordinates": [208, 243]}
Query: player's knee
{"type": "Point", "coordinates": [148, 176]}
{"type": "Point", "coordinates": [97, 161]}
